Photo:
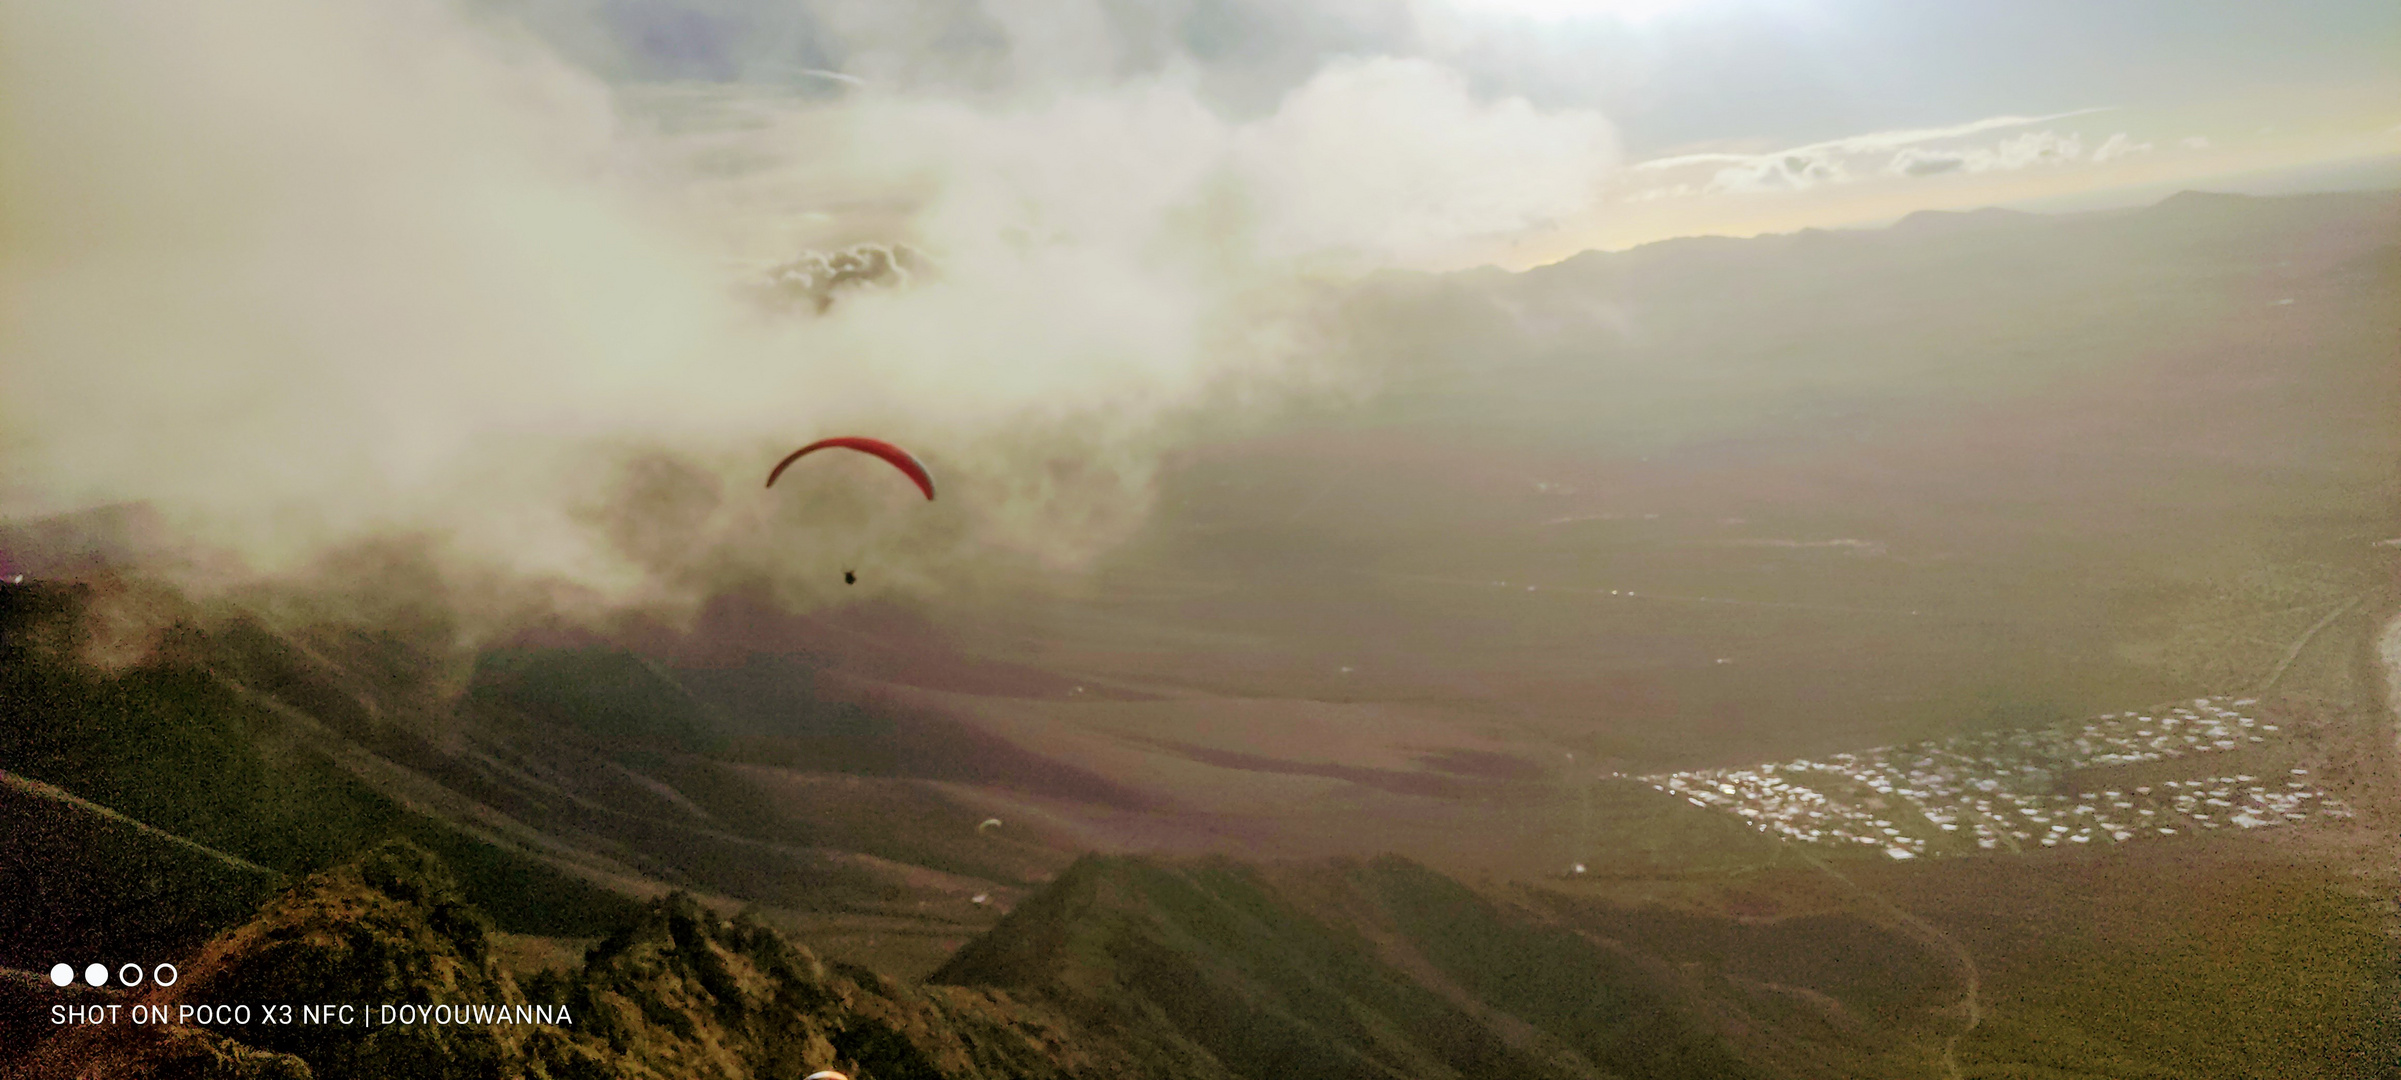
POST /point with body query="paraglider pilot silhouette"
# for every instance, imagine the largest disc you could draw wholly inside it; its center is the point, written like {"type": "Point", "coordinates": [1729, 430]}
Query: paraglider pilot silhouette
{"type": "Point", "coordinates": [900, 459]}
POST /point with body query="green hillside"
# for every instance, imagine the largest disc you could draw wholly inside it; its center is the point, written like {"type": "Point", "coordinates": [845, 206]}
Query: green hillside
{"type": "Point", "coordinates": [175, 746]}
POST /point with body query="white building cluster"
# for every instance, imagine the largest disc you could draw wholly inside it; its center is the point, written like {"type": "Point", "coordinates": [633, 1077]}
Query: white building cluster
{"type": "Point", "coordinates": [2001, 791]}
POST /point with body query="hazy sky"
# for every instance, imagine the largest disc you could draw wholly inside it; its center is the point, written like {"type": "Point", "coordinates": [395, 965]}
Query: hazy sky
{"type": "Point", "coordinates": [1781, 113]}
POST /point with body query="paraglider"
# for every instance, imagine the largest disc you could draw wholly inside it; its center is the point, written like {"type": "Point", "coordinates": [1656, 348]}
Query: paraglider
{"type": "Point", "coordinates": [988, 824]}
{"type": "Point", "coordinates": [827, 1074]}
{"type": "Point", "coordinates": [897, 457]}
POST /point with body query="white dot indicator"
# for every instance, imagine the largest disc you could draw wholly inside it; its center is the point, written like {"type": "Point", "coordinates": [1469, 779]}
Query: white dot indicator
{"type": "Point", "coordinates": [62, 975]}
{"type": "Point", "coordinates": [97, 974]}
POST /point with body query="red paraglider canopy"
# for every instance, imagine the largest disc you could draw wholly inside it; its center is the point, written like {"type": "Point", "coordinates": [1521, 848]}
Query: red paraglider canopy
{"type": "Point", "coordinates": [900, 459]}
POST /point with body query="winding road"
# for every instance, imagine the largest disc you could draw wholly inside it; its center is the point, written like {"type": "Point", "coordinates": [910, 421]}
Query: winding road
{"type": "Point", "coordinates": [2294, 653]}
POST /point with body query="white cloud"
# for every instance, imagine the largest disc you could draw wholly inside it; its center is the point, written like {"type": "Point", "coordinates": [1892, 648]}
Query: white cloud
{"type": "Point", "coordinates": [2118, 146]}
{"type": "Point", "coordinates": [1913, 152]}
{"type": "Point", "coordinates": [308, 272]}
{"type": "Point", "coordinates": [2035, 148]}
{"type": "Point", "coordinates": [2200, 142]}
{"type": "Point", "coordinates": [1385, 156]}
{"type": "Point", "coordinates": [1916, 162]}
{"type": "Point", "coordinates": [2024, 151]}
{"type": "Point", "coordinates": [1793, 171]}
{"type": "Point", "coordinates": [1873, 141]}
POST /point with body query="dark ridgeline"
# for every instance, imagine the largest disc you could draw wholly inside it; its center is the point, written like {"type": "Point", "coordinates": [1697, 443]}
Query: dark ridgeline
{"type": "Point", "coordinates": [1123, 968]}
